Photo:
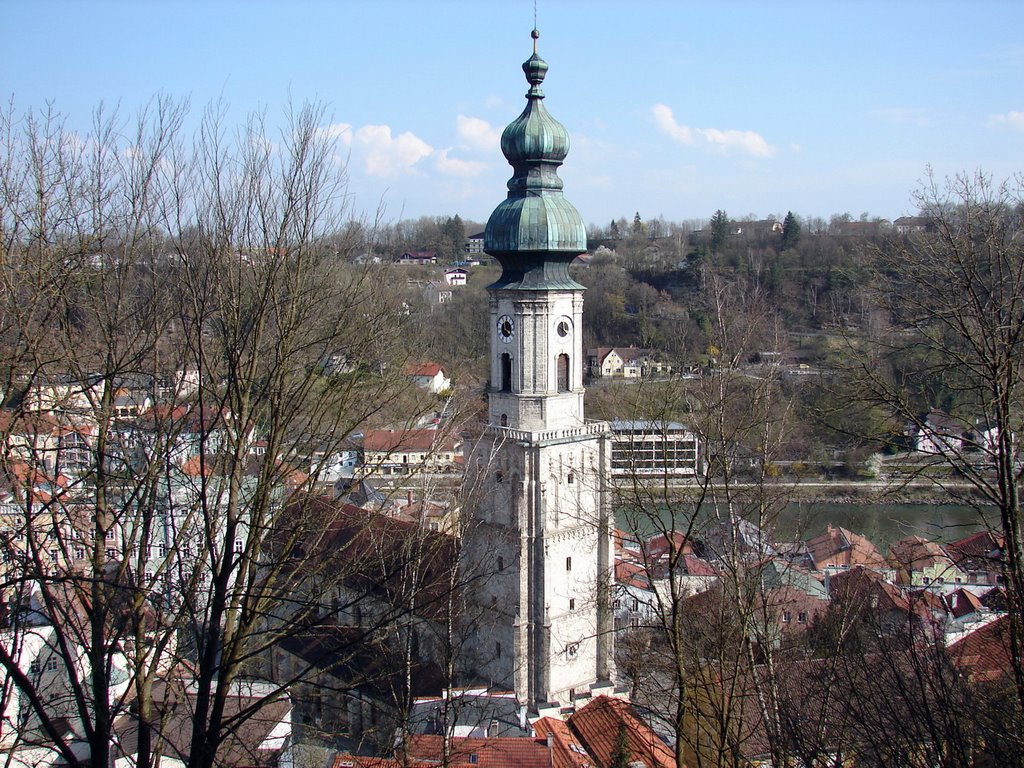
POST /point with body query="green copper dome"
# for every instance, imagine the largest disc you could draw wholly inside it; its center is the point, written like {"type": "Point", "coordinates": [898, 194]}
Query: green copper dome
{"type": "Point", "coordinates": [535, 232]}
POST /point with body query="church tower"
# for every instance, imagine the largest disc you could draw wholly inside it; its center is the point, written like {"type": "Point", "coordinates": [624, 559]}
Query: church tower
{"type": "Point", "coordinates": [541, 525]}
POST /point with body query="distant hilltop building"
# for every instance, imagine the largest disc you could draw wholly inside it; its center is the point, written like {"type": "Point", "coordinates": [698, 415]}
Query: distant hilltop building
{"type": "Point", "coordinates": [475, 244]}
{"type": "Point", "coordinates": [907, 225]}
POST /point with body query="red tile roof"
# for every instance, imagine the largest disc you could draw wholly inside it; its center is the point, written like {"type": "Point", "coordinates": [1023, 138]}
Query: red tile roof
{"type": "Point", "coordinates": [839, 547]}
{"type": "Point", "coordinates": [567, 751]}
{"type": "Point", "coordinates": [985, 653]}
{"type": "Point", "coordinates": [423, 369]}
{"type": "Point", "coordinates": [598, 723]}
{"type": "Point", "coordinates": [586, 740]}
{"type": "Point", "coordinates": [406, 440]}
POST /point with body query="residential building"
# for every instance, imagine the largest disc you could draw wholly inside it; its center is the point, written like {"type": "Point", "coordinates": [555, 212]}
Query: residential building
{"type": "Point", "coordinates": [475, 243]}
{"type": "Point", "coordinates": [981, 557]}
{"type": "Point", "coordinates": [410, 451]}
{"type": "Point", "coordinates": [429, 376]}
{"type": "Point", "coordinates": [625, 362]}
{"type": "Point", "coordinates": [418, 258]}
{"type": "Point", "coordinates": [908, 225]}
{"type": "Point", "coordinates": [923, 563]}
{"type": "Point", "coordinates": [438, 292]}
{"type": "Point", "coordinates": [456, 277]}
{"type": "Point", "coordinates": [840, 549]}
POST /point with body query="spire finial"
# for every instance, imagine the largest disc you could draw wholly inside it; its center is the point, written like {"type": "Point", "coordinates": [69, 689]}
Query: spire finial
{"type": "Point", "coordinates": [536, 33]}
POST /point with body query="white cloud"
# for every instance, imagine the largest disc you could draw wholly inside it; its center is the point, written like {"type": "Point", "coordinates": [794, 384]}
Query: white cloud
{"type": "Point", "coordinates": [666, 121]}
{"type": "Point", "coordinates": [1012, 120]}
{"type": "Point", "coordinates": [339, 131]}
{"type": "Point", "coordinates": [452, 166]}
{"type": "Point", "coordinates": [726, 142]}
{"type": "Point", "coordinates": [387, 155]}
{"type": "Point", "coordinates": [477, 133]}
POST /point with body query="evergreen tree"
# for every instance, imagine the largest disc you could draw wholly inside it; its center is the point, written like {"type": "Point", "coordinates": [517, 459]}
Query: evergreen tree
{"type": "Point", "coordinates": [620, 754]}
{"type": "Point", "coordinates": [719, 229]}
{"type": "Point", "coordinates": [453, 238]}
{"type": "Point", "coordinates": [790, 231]}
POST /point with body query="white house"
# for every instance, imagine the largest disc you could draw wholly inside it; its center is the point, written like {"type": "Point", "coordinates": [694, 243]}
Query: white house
{"type": "Point", "coordinates": [625, 362]}
{"type": "Point", "coordinates": [429, 376]}
{"type": "Point", "coordinates": [456, 277]}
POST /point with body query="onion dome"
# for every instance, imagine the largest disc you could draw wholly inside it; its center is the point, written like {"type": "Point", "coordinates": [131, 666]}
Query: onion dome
{"type": "Point", "coordinates": [535, 232]}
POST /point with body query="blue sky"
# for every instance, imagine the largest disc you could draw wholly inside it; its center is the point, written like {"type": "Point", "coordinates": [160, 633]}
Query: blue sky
{"type": "Point", "coordinates": [674, 109]}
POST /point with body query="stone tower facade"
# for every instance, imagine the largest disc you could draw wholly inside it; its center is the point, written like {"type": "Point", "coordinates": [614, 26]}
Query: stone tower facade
{"type": "Point", "coordinates": [541, 532]}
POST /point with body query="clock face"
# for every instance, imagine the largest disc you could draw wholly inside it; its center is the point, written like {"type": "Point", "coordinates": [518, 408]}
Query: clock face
{"type": "Point", "coordinates": [506, 328]}
{"type": "Point", "coordinates": [563, 327]}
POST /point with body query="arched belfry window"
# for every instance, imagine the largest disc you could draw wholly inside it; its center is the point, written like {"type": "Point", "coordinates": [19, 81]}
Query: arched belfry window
{"type": "Point", "coordinates": [506, 372]}
{"type": "Point", "coordinates": [563, 373]}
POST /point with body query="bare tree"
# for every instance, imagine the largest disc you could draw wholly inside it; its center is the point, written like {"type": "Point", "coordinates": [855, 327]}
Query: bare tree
{"type": "Point", "coordinates": [168, 310]}
{"type": "Point", "coordinates": [954, 292]}
{"type": "Point", "coordinates": [689, 650]}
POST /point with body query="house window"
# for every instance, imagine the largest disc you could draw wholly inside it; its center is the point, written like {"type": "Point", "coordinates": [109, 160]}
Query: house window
{"type": "Point", "coordinates": [572, 603]}
{"type": "Point", "coordinates": [111, 554]}
{"type": "Point", "coordinates": [501, 563]}
{"type": "Point", "coordinates": [498, 476]}
{"type": "Point", "coordinates": [51, 663]}
{"type": "Point", "coordinates": [572, 478]}
{"type": "Point", "coordinates": [563, 373]}
{"type": "Point", "coordinates": [238, 546]}
{"type": "Point", "coordinates": [36, 666]}
{"type": "Point", "coordinates": [636, 604]}
{"type": "Point", "coordinates": [497, 650]}
{"type": "Point", "coordinates": [801, 617]}
{"type": "Point", "coordinates": [504, 419]}
{"type": "Point", "coordinates": [79, 553]}
{"type": "Point", "coordinates": [568, 563]}
{"type": "Point", "coordinates": [786, 617]}
{"type": "Point", "coordinates": [506, 372]}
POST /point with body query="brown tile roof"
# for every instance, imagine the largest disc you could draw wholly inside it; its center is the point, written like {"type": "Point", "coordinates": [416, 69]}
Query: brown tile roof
{"type": "Point", "coordinates": [422, 369]}
{"type": "Point", "coordinates": [370, 552]}
{"type": "Point", "coordinates": [840, 547]}
{"type": "Point", "coordinates": [866, 588]}
{"type": "Point", "coordinates": [406, 440]}
{"type": "Point", "coordinates": [631, 574]}
{"type": "Point", "coordinates": [962, 603]}
{"type": "Point", "coordinates": [917, 553]}
{"type": "Point", "coordinates": [981, 551]}
{"type": "Point", "coordinates": [597, 725]}
{"type": "Point", "coordinates": [985, 653]}
{"type": "Point", "coordinates": [175, 702]}
{"type": "Point", "coordinates": [567, 751]}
